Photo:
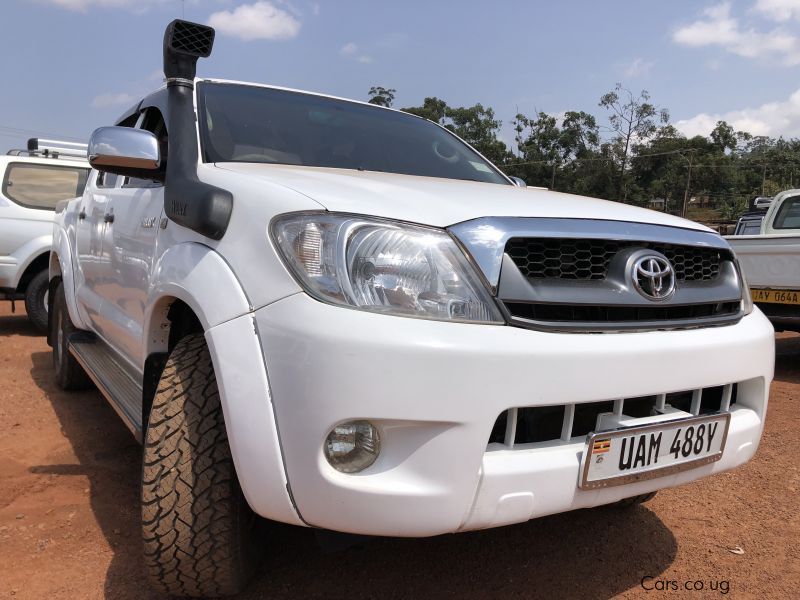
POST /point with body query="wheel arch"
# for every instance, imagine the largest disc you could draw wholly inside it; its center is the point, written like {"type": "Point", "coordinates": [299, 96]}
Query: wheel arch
{"type": "Point", "coordinates": [61, 270]}
{"type": "Point", "coordinates": [27, 255]}
{"type": "Point", "coordinates": [36, 265]}
{"type": "Point", "coordinates": [172, 320]}
{"type": "Point", "coordinates": [179, 304]}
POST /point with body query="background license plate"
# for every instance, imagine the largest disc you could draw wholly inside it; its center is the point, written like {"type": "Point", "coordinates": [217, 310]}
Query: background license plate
{"type": "Point", "coordinates": [638, 453]}
{"type": "Point", "coordinates": [776, 296]}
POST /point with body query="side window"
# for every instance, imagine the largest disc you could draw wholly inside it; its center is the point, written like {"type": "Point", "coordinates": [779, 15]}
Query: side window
{"type": "Point", "coordinates": [42, 186]}
{"type": "Point", "coordinates": [788, 216]}
{"type": "Point", "coordinates": [106, 180]}
{"type": "Point", "coordinates": [153, 121]}
{"type": "Point", "coordinates": [129, 121]}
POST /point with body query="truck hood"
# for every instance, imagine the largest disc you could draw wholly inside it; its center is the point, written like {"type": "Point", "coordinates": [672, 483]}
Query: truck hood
{"type": "Point", "coordinates": [441, 202]}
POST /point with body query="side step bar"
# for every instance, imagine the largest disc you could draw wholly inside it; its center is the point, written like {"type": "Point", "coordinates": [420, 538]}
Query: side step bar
{"type": "Point", "coordinates": [122, 391]}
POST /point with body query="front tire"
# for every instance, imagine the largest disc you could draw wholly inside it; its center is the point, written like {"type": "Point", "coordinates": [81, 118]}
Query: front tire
{"type": "Point", "coordinates": [35, 295]}
{"type": "Point", "coordinates": [69, 373]}
{"type": "Point", "coordinates": [199, 533]}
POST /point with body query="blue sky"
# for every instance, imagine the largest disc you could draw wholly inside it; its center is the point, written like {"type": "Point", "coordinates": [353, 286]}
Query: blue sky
{"type": "Point", "coordinates": [69, 66]}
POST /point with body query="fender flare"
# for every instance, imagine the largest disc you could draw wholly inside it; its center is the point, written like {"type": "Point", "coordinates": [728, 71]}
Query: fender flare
{"type": "Point", "coordinates": [61, 265]}
{"type": "Point", "coordinates": [187, 272]}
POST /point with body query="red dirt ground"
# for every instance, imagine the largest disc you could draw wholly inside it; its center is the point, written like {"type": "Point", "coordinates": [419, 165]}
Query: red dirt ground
{"type": "Point", "coordinates": [69, 474]}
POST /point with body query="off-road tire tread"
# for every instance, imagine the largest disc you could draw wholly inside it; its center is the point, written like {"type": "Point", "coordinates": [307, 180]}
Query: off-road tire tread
{"type": "Point", "coordinates": [34, 300]}
{"type": "Point", "coordinates": [70, 375]}
{"type": "Point", "coordinates": [194, 519]}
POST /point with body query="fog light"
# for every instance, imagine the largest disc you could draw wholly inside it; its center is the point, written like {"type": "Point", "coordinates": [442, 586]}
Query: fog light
{"type": "Point", "coordinates": [353, 446]}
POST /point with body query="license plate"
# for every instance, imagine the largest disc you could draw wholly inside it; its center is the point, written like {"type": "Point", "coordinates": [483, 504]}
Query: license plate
{"type": "Point", "coordinates": [635, 454]}
{"type": "Point", "coordinates": [776, 296]}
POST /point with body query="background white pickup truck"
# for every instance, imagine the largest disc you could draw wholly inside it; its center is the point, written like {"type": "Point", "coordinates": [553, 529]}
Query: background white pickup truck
{"type": "Point", "coordinates": [771, 261]}
{"type": "Point", "coordinates": [33, 182]}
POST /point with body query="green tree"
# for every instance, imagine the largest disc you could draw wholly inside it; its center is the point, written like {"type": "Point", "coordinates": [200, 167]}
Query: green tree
{"type": "Point", "coordinates": [724, 137]}
{"type": "Point", "coordinates": [547, 145]}
{"type": "Point", "coordinates": [381, 96]}
{"type": "Point", "coordinates": [476, 125]}
{"type": "Point", "coordinates": [432, 109]}
{"type": "Point", "coordinates": [632, 119]}
{"type": "Point", "coordinates": [644, 158]}
{"type": "Point", "coordinates": [579, 135]}
{"type": "Point", "coordinates": [538, 148]}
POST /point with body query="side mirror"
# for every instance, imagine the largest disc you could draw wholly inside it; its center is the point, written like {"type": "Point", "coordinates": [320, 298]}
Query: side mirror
{"type": "Point", "coordinates": [125, 151]}
{"type": "Point", "coordinates": [517, 181]}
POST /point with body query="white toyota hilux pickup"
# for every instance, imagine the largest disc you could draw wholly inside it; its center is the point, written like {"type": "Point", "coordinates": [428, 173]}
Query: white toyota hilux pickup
{"type": "Point", "coordinates": [341, 316]}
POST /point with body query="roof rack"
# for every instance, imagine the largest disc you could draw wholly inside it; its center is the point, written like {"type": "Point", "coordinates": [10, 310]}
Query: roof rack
{"type": "Point", "coordinates": [52, 149]}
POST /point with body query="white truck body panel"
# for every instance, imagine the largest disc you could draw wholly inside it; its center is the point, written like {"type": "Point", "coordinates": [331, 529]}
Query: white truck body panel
{"type": "Point", "coordinates": [290, 367]}
{"type": "Point", "coordinates": [436, 201]}
{"type": "Point", "coordinates": [769, 261]}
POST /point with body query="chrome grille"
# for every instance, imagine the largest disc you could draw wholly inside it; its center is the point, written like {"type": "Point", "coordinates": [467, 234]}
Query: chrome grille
{"type": "Point", "coordinates": [588, 259]}
{"type": "Point", "coordinates": [581, 274]}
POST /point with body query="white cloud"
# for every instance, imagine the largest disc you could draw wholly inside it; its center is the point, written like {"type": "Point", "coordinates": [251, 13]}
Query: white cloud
{"type": "Point", "coordinates": [85, 5]}
{"type": "Point", "coordinates": [718, 27]}
{"type": "Point", "coordinates": [349, 49]}
{"type": "Point", "coordinates": [110, 99]}
{"type": "Point", "coordinates": [638, 68]}
{"type": "Point", "coordinates": [778, 10]}
{"type": "Point", "coordinates": [773, 118]}
{"type": "Point", "coordinates": [257, 21]}
{"type": "Point", "coordinates": [156, 76]}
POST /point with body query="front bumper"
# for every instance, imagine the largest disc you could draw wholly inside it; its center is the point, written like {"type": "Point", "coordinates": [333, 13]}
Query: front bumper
{"type": "Point", "coordinates": [435, 390]}
{"type": "Point", "coordinates": [783, 316]}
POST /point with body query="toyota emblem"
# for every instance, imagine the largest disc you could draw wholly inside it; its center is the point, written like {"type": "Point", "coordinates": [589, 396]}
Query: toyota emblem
{"type": "Point", "coordinates": [654, 277]}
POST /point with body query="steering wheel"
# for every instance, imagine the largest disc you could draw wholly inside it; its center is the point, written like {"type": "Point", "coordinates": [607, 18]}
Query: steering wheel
{"type": "Point", "coordinates": [437, 150]}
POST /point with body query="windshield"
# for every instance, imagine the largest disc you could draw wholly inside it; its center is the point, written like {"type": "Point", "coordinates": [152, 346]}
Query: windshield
{"type": "Point", "coordinates": [242, 123]}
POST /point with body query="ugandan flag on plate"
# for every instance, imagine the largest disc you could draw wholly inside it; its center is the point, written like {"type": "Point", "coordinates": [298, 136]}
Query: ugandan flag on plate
{"type": "Point", "coordinates": [601, 446]}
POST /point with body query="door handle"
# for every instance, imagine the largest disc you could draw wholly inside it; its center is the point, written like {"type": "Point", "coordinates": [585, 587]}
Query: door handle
{"type": "Point", "coordinates": [108, 217]}
{"type": "Point", "coordinates": [82, 215]}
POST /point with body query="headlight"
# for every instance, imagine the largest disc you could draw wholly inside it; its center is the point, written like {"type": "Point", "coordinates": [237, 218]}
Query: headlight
{"type": "Point", "coordinates": [383, 266]}
{"type": "Point", "coordinates": [747, 299]}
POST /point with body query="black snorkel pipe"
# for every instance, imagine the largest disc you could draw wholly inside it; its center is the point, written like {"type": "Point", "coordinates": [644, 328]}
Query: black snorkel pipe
{"type": "Point", "coordinates": [187, 200]}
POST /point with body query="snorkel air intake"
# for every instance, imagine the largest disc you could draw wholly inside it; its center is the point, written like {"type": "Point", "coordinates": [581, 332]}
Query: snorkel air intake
{"type": "Point", "coordinates": [187, 200]}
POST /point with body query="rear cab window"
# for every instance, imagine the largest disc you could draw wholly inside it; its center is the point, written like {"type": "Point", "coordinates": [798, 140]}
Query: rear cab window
{"type": "Point", "coordinates": [42, 186]}
{"type": "Point", "coordinates": [788, 216]}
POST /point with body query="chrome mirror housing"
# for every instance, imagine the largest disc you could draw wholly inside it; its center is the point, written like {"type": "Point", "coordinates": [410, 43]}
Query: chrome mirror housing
{"type": "Point", "coordinates": [519, 182]}
{"type": "Point", "coordinates": [125, 151]}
